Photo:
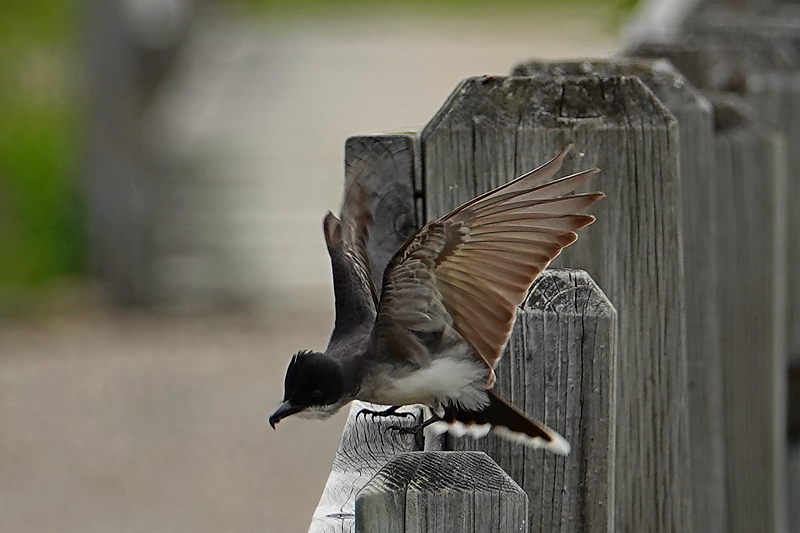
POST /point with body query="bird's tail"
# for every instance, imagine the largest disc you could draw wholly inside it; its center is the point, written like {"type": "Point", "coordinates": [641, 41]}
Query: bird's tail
{"type": "Point", "coordinates": [506, 421]}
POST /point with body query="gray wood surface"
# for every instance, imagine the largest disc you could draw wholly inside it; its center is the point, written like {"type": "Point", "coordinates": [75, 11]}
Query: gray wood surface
{"type": "Point", "coordinates": [763, 69]}
{"type": "Point", "coordinates": [445, 492]}
{"type": "Point", "coordinates": [559, 367]}
{"type": "Point", "coordinates": [770, 46]}
{"type": "Point", "coordinates": [696, 128]}
{"type": "Point", "coordinates": [386, 165]}
{"type": "Point", "coordinates": [751, 246]}
{"type": "Point", "coordinates": [366, 446]}
{"type": "Point", "coordinates": [494, 128]}
{"type": "Point", "coordinates": [761, 63]}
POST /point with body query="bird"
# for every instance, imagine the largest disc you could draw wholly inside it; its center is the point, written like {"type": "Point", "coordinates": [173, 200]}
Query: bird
{"type": "Point", "coordinates": [433, 333]}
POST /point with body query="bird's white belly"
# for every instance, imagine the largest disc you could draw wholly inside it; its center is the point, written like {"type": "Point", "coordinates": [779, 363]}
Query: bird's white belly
{"type": "Point", "coordinates": [445, 381]}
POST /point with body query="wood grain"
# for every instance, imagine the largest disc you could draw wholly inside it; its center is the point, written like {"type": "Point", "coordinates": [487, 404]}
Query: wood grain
{"type": "Point", "coordinates": [366, 446]}
{"type": "Point", "coordinates": [696, 127]}
{"type": "Point", "coordinates": [445, 492]}
{"type": "Point", "coordinates": [386, 165]}
{"type": "Point", "coordinates": [761, 67]}
{"type": "Point", "coordinates": [750, 245]}
{"type": "Point", "coordinates": [493, 128]}
{"type": "Point", "coordinates": [757, 58]}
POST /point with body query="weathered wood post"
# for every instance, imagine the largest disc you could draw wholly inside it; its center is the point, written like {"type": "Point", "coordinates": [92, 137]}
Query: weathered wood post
{"type": "Point", "coordinates": [366, 446]}
{"type": "Point", "coordinates": [752, 329]}
{"type": "Point", "coordinates": [698, 191]}
{"type": "Point", "coordinates": [759, 59]}
{"type": "Point", "coordinates": [445, 492]}
{"type": "Point", "coordinates": [128, 59]}
{"type": "Point", "coordinates": [386, 165]}
{"type": "Point", "coordinates": [752, 217]}
{"type": "Point", "coordinates": [493, 128]}
{"type": "Point", "coordinates": [776, 29]}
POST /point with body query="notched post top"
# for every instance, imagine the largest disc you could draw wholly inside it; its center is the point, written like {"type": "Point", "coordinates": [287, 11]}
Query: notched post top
{"type": "Point", "coordinates": [547, 100]}
{"type": "Point", "coordinates": [567, 292]}
{"type": "Point", "coordinates": [447, 492]}
{"type": "Point", "coordinates": [442, 471]}
{"type": "Point", "coordinates": [659, 75]}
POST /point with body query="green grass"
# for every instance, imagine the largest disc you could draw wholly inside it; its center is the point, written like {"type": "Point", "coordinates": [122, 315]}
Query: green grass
{"type": "Point", "coordinates": [616, 10]}
{"type": "Point", "coordinates": [465, 5]}
{"type": "Point", "coordinates": [41, 224]}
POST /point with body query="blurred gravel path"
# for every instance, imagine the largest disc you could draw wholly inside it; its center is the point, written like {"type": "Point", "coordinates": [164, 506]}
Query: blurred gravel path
{"type": "Point", "coordinates": [121, 421]}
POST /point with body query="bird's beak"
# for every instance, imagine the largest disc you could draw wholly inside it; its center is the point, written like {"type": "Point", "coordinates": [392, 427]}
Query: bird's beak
{"type": "Point", "coordinates": [285, 409]}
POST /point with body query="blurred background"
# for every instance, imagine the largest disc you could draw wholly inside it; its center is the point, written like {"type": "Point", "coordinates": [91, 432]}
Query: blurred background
{"type": "Point", "coordinates": [164, 169]}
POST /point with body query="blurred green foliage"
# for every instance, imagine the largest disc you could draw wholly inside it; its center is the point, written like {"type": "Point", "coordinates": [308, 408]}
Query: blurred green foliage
{"type": "Point", "coordinates": [41, 130]}
{"type": "Point", "coordinates": [326, 7]}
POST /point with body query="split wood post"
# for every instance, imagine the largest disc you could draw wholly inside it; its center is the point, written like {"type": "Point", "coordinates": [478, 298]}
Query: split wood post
{"type": "Point", "coordinates": [386, 165]}
{"type": "Point", "coordinates": [559, 365]}
{"type": "Point", "coordinates": [698, 190]}
{"type": "Point", "coordinates": [366, 446]}
{"type": "Point", "coordinates": [492, 129]}
{"type": "Point", "coordinates": [752, 216]}
{"type": "Point", "coordinates": [445, 492]}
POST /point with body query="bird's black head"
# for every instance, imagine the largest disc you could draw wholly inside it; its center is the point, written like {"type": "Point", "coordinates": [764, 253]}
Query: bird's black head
{"type": "Point", "coordinates": [314, 387]}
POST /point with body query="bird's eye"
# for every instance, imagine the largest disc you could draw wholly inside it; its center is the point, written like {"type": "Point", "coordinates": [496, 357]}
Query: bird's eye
{"type": "Point", "coordinates": [316, 395]}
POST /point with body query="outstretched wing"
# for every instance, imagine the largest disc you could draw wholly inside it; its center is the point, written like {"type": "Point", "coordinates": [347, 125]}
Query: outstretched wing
{"type": "Point", "coordinates": [472, 268]}
{"type": "Point", "coordinates": [346, 238]}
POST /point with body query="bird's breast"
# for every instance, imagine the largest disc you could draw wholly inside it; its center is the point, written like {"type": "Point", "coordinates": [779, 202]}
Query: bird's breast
{"type": "Point", "coordinates": [445, 381]}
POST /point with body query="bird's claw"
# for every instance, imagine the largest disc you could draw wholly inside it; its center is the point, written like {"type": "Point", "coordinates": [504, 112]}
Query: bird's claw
{"type": "Point", "coordinates": [392, 411]}
{"type": "Point", "coordinates": [406, 430]}
{"type": "Point", "coordinates": [416, 429]}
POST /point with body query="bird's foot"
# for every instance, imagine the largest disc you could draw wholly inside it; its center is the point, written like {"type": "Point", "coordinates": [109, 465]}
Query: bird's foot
{"type": "Point", "coordinates": [392, 411]}
{"type": "Point", "coordinates": [416, 428]}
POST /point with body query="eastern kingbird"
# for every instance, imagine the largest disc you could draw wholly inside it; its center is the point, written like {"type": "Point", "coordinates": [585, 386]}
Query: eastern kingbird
{"type": "Point", "coordinates": [436, 330]}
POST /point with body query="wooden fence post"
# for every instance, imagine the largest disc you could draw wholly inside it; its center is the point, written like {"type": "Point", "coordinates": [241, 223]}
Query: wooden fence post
{"type": "Point", "coordinates": [559, 365]}
{"type": "Point", "coordinates": [442, 492]}
{"type": "Point", "coordinates": [752, 217]}
{"type": "Point", "coordinates": [386, 164]}
{"type": "Point", "coordinates": [366, 446]}
{"type": "Point", "coordinates": [762, 71]}
{"type": "Point", "coordinates": [698, 190]}
{"type": "Point", "coordinates": [494, 128]}
{"type": "Point", "coordinates": [775, 92]}
{"type": "Point", "coordinates": [761, 63]}
{"type": "Point", "coordinates": [124, 72]}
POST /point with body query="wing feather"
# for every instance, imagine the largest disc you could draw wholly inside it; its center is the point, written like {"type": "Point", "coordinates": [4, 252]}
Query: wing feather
{"type": "Point", "coordinates": [347, 238]}
{"type": "Point", "coordinates": [472, 268]}
{"type": "Point", "coordinates": [552, 190]}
